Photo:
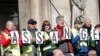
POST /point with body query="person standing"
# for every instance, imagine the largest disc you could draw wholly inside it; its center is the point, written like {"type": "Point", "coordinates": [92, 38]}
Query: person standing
{"type": "Point", "coordinates": [30, 49]}
{"type": "Point", "coordinates": [6, 39]}
{"type": "Point", "coordinates": [79, 50]}
{"type": "Point", "coordinates": [63, 44]}
{"type": "Point", "coordinates": [47, 44]}
{"type": "Point", "coordinates": [97, 28]}
{"type": "Point", "coordinates": [87, 25]}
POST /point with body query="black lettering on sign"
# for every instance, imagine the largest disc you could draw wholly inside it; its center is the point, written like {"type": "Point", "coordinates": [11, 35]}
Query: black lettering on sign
{"type": "Point", "coordinates": [26, 39]}
{"type": "Point", "coordinates": [83, 33]}
{"type": "Point", "coordinates": [95, 35]}
{"type": "Point", "coordinates": [14, 37]}
{"type": "Point", "coordinates": [67, 33]}
{"type": "Point", "coordinates": [54, 36]}
{"type": "Point", "coordinates": [39, 37]}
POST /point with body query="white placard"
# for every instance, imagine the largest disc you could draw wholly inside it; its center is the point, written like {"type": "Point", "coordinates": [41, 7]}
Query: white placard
{"type": "Point", "coordinates": [83, 34]}
{"type": "Point", "coordinates": [54, 36]}
{"type": "Point", "coordinates": [14, 37]}
{"type": "Point", "coordinates": [39, 37]}
{"type": "Point", "coordinates": [26, 37]}
{"type": "Point", "coordinates": [95, 35]}
{"type": "Point", "coordinates": [67, 33]}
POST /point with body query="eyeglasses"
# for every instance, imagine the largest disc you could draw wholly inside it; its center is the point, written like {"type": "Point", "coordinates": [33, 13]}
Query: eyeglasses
{"type": "Point", "coordinates": [47, 25]}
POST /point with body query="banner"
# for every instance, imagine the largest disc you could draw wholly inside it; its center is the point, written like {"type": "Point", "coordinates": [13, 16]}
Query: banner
{"type": "Point", "coordinates": [26, 38]}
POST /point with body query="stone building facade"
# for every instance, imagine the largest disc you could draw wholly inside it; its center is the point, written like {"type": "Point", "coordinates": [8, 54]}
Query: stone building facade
{"type": "Point", "coordinates": [41, 10]}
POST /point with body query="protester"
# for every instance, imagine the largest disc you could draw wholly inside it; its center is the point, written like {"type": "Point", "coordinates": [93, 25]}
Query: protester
{"type": "Point", "coordinates": [76, 38]}
{"type": "Point", "coordinates": [31, 49]}
{"type": "Point", "coordinates": [64, 47]}
{"type": "Point", "coordinates": [47, 44]}
{"type": "Point", "coordinates": [6, 38]}
{"type": "Point", "coordinates": [63, 44]}
{"type": "Point", "coordinates": [87, 25]}
{"type": "Point", "coordinates": [97, 28]}
{"type": "Point", "coordinates": [92, 53]}
{"type": "Point", "coordinates": [57, 52]}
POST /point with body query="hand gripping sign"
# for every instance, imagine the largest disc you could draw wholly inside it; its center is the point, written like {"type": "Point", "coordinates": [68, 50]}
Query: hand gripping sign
{"type": "Point", "coordinates": [67, 33]}
{"type": "Point", "coordinates": [83, 34]}
{"type": "Point", "coordinates": [39, 37]}
{"type": "Point", "coordinates": [14, 37]}
{"type": "Point", "coordinates": [54, 36]}
{"type": "Point", "coordinates": [26, 37]}
{"type": "Point", "coordinates": [95, 35]}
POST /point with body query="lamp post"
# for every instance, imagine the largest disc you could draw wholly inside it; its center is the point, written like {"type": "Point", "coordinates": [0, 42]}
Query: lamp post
{"type": "Point", "coordinates": [15, 19]}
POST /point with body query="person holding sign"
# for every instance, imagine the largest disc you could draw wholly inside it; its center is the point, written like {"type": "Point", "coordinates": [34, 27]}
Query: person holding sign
{"type": "Point", "coordinates": [97, 28]}
{"type": "Point", "coordinates": [87, 25]}
{"type": "Point", "coordinates": [47, 42]}
{"type": "Point", "coordinates": [64, 45]}
{"type": "Point", "coordinates": [7, 39]}
{"type": "Point", "coordinates": [30, 48]}
{"type": "Point", "coordinates": [78, 47]}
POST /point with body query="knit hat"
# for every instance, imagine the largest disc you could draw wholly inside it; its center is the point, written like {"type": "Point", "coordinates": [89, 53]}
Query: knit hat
{"type": "Point", "coordinates": [32, 21]}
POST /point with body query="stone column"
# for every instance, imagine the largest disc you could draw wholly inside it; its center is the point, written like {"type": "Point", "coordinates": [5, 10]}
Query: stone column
{"type": "Point", "coordinates": [92, 11]}
{"type": "Point", "coordinates": [24, 12]}
{"type": "Point", "coordinates": [40, 11]}
{"type": "Point", "coordinates": [36, 12]}
{"type": "Point", "coordinates": [46, 10]}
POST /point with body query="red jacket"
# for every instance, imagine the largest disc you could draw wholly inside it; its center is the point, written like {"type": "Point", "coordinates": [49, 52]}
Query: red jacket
{"type": "Point", "coordinates": [6, 41]}
{"type": "Point", "coordinates": [60, 31]}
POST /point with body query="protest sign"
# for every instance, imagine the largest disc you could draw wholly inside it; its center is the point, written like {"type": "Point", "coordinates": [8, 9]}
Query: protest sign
{"type": "Point", "coordinates": [83, 34]}
{"type": "Point", "coordinates": [39, 37]}
{"type": "Point", "coordinates": [26, 37]}
{"type": "Point", "coordinates": [14, 37]}
{"type": "Point", "coordinates": [54, 36]}
{"type": "Point", "coordinates": [67, 33]}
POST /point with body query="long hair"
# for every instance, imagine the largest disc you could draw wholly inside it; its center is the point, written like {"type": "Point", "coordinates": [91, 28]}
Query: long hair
{"type": "Point", "coordinates": [43, 25]}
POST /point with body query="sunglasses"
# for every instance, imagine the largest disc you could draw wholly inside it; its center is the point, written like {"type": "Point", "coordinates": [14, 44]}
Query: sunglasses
{"type": "Point", "coordinates": [46, 24]}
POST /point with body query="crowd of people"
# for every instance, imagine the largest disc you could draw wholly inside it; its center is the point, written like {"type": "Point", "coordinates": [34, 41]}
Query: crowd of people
{"type": "Point", "coordinates": [70, 47]}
